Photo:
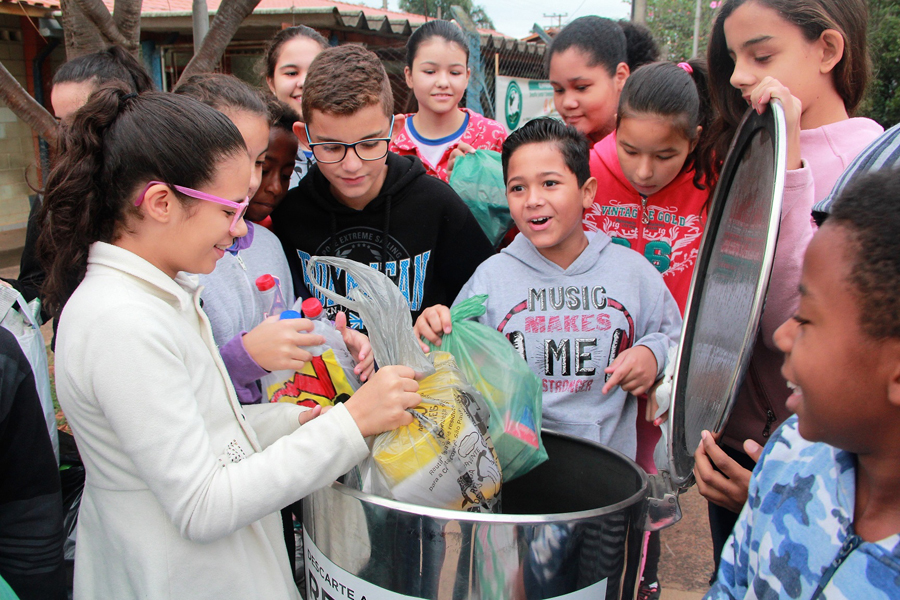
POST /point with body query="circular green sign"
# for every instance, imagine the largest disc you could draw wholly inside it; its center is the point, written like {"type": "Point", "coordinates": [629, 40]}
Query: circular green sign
{"type": "Point", "coordinates": [513, 105]}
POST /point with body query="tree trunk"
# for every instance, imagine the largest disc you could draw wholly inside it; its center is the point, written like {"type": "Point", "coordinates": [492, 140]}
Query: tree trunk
{"type": "Point", "coordinates": [26, 108]}
{"type": "Point", "coordinates": [228, 19]}
{"type": "Point", "coordinates": [127, 15]}
{"type": "Point", "coordinates": [81, 36]}
{"type": "Point", "coordinates": [99, 15]}
{"type": "Point", "coordinates": [639, 11]}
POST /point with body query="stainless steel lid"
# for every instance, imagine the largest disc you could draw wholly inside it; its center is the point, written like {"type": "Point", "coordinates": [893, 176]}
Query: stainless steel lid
{"type": "Point", "coordinates": [728, 287]}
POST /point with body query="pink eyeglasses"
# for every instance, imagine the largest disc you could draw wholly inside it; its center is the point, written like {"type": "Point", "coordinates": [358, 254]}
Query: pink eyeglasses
{"type": "Point", "coordinates": [239, 207]}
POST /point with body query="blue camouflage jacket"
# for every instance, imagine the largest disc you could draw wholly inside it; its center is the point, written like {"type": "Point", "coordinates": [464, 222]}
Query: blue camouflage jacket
{"type": "Point", "coordinates": [795, 538]}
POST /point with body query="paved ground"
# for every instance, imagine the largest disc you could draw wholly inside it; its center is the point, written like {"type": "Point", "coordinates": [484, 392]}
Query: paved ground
{"type": "Point", "coordinates": [686, 561]}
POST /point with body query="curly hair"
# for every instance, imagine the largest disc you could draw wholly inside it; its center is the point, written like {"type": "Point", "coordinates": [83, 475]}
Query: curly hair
{"type": "Point", "coordinates": [867, 212]}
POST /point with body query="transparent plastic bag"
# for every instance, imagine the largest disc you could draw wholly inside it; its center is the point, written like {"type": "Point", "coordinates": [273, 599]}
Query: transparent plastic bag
{"type": "Point", "coordinates": [478, 179]}
{"type": "Point", "coordinates": [445, 458]}
{"type": "Point", "coordinates": [507, 384]}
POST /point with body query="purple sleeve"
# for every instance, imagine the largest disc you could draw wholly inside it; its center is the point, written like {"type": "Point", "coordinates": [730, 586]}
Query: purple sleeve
{"type": "Point", "coordinates": [244, 371]}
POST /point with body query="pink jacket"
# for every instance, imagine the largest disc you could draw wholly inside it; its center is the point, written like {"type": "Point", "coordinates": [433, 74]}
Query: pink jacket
{"type": "Point", "coordinates": [481, 133]}
{"type": "Point", "coordinates": [826, 152]}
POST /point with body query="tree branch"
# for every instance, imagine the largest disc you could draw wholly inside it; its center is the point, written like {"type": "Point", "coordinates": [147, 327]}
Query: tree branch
{"type": "Point", "coordinates": [25, 107]}
{"type": "Point", "coordinates": [98, 14]}
{"type": "Point", "coordinates": [81, 36]}
{"type": "Point", "coordinates": [228, 19]}
{"type": "Point", "coordinates": [127, 16]}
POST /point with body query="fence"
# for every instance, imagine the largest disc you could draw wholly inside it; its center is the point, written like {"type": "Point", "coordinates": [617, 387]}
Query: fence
{"type": "Point", "coordinates": [510, 58]}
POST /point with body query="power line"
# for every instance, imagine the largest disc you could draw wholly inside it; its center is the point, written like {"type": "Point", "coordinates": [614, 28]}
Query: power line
{"type": "Point", "coordinates": [558, 17]}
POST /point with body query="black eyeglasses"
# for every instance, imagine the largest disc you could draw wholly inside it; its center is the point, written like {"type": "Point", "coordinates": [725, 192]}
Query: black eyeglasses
{"type": "Point", "coordinates": [334, 152]}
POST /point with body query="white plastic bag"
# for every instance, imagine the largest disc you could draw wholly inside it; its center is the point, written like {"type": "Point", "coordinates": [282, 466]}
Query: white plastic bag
{"type": "Point", "coordinates": [25, 324]}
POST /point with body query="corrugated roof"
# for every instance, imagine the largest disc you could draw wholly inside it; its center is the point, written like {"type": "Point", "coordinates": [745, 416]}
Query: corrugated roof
{"type": "Point", "coordinates": [48, 4]}
{"type": "Point", "coordinates": [345, 8]}
{"type": "Point", "coordinates": [354, 16]}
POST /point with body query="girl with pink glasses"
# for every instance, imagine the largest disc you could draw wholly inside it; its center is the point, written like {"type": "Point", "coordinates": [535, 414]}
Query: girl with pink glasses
{"type": "Point", "coordinates": [182, 483]}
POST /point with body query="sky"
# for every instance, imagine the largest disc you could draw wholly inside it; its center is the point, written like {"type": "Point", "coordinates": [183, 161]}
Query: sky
{"type": "Point", "coordinates": [517, 17]}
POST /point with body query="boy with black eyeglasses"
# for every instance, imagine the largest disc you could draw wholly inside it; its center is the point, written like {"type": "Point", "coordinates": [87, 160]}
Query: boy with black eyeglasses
{"type": "Point", "coordinates": [364, 203]}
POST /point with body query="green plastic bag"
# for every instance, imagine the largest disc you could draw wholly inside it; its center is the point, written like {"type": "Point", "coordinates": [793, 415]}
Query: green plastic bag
{"type": "Point", "coordinates": [478, 179]}
{"type": "Point", "coordinates": [511, 390]}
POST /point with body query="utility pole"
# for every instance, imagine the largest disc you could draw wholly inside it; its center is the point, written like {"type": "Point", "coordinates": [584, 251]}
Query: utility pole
{"type": "Point", "coordinates": [200, 20]}
{"type": "Point", "coordinates": [639, 11]}
{"type": "Point", "coordinates": [558, 17]}
{"type": "Point", "coordinates": [695, 47]}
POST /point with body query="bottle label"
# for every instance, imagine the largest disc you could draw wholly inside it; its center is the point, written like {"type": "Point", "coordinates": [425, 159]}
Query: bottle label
{"type": "Point", "coordinates": [321, 381]}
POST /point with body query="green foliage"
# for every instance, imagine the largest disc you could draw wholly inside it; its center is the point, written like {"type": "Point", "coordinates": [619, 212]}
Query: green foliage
{"type": "Point", "coordinates": [672, 24]}
{"type": "Point", "coordinates": [883, 100]}
{"type": "Point", "coordinates": [477, 12]}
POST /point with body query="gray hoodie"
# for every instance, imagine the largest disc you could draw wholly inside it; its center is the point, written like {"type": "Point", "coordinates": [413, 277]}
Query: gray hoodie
{"type": "Point", "coordinates": [570, 324]}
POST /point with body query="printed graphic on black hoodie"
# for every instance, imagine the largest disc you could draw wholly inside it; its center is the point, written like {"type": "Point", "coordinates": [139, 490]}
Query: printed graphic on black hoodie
{"type": "Point", "coordinates": [417, 231]}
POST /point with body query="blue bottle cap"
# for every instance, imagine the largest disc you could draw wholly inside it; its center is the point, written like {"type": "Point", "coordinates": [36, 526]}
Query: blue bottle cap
{"type": "Point", "coordinates": [290, 314]}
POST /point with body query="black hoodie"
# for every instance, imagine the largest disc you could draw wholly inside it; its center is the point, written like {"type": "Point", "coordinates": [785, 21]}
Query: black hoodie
{"type": "Point", "coordinates": [429, 237]}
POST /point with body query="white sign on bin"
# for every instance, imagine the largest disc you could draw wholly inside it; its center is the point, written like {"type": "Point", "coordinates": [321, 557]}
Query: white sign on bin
{"type": "Point", "coordinates": [327, 581]}
{"type": "Point", "coordinates": [520, 100]}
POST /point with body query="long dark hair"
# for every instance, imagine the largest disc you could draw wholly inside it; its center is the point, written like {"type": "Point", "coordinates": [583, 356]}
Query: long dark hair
{"type": "Point", "coordinates": [112, 64]}
{"type": "Point", "coordinates": [606, 43]}
{"type": "Point", "coordinates": [680, 93]}
{"type": "Point", "coordinates": [224, 93]}
{"type": "Point", "coordinates": [812, 17]}
{"type": "Point", "coordinates": [426, 31]}
{"type": "Point", "coordinates": [115, 144]}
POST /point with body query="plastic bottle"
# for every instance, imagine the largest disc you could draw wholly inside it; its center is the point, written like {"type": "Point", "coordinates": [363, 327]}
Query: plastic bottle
{"type": "Point", "coordinates": [283, 375]}
{"type": "Point", "coordinates": [272, 298]}
{"type": "Point", "coordinates": [312, 310]}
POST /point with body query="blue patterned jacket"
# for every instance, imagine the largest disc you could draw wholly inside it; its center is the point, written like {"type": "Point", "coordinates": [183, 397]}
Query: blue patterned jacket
{"type": "Point", "coordinates": [795, 538]}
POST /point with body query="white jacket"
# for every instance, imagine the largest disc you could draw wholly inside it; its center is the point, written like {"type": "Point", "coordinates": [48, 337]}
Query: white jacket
{"type": "Point", "coordinates": [183, 483]}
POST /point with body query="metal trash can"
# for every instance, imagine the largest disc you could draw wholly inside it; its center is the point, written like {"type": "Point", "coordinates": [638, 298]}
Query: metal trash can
{"type": "Point", "coordinates": [571, 528]}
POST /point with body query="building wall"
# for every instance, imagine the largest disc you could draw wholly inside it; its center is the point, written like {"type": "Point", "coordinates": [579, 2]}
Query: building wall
{"type": "Point", "coordinates": [17, 151]}
{"type": "Point", "coordinates": [20, 42]}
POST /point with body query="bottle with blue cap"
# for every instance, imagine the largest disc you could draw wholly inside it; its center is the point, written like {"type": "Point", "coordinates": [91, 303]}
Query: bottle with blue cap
{"type": "Point", "coordinates": [328, 378]}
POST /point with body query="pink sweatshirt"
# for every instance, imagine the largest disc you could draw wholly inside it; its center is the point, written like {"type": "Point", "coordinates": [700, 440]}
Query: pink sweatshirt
{"type": "Point", "coordinates": [826, 152]}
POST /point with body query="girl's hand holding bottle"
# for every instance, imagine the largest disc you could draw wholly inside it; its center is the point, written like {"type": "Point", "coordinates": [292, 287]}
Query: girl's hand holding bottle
{"type": "Point", "coordinates": [275, 344]}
